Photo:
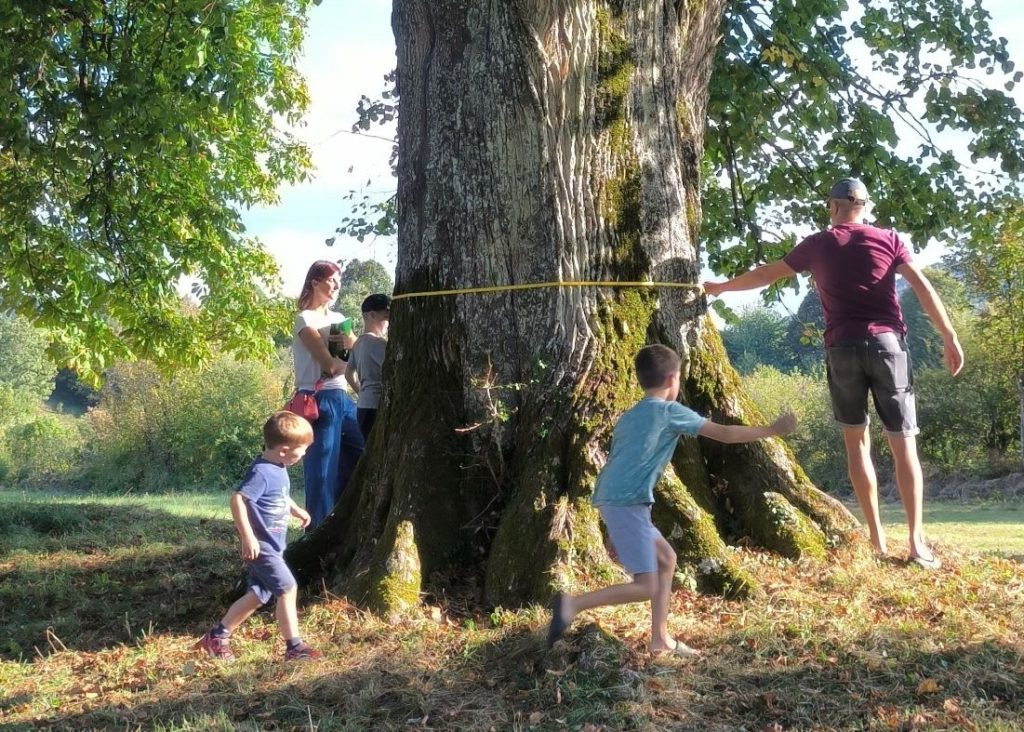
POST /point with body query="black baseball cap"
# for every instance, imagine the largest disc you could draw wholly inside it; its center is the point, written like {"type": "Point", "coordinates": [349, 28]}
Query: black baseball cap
{"type": "Point", "coordinates": [376, 302]}
{"type": "Point", "coordinates": [849, 189]}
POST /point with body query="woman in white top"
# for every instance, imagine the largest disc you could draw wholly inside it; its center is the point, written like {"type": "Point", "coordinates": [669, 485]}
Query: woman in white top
{"type": "Point", "coordinates": [337, 440]}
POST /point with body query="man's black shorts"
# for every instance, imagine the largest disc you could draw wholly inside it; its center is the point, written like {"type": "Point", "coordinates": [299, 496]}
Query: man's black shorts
{"type": "Point", "coordinates": [879, 364]}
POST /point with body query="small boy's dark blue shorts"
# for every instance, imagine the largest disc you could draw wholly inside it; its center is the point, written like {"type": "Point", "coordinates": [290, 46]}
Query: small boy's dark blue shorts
{"type": "Point", "coordinates": [269, 576]}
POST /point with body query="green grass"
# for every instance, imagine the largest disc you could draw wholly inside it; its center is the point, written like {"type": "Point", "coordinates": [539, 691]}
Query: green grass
{"type": "Point", "coordinates": [988, 528]}
{"type": "Point", "coordinates": [102, 599]}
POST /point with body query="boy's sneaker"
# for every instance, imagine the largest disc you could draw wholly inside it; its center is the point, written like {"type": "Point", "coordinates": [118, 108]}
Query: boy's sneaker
{"type": "Point", "coordinates": [216, 647]}
{"type": "Point", "coordinates": [301, 652]}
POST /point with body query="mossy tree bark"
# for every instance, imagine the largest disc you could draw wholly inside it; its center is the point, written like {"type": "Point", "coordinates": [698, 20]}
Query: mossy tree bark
{"type": "Point", "coordinates": [548, 140]}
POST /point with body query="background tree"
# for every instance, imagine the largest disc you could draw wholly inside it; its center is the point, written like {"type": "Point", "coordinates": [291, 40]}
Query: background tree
{"type": "Point", "coordinates": [132, 133]}
{"type": "Point", "coordinates": [24, 367]}
{"type": "Point", "coordinates": [360, 278]}
{"type": "Point", "coordinates": [994, 265]}
{"type": "Point", "coordinates": [806, 332]}
{"type": "Point", "coordinates": [758, 337]}
{"type": "Point", "coordinates": [923, 341]}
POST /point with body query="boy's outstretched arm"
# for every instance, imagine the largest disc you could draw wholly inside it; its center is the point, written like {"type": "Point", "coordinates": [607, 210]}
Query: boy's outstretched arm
{"type": "Point", "coordinates": [351, 377]}
{"type": "Point", "coordinates": [733, 433]}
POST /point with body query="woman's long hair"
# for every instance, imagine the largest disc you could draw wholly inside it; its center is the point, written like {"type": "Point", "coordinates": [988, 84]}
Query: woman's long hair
{"type": "Point", "coordinates": [318, 271]}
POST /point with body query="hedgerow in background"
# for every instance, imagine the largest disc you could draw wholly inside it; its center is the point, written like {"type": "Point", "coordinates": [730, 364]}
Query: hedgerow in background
{"type": "Point", "coordinates": [967, 424]}
{"type": "Point", "coordinates": [198, 428]}
{"type": "Point", "coordinates": [970, 424]}
{"type": "Point", "coordinates": [42, 452]}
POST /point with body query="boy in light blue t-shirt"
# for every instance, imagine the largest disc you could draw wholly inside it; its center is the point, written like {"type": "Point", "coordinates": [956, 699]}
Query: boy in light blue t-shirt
{"type": "Point", "coordinates": [642, 444]}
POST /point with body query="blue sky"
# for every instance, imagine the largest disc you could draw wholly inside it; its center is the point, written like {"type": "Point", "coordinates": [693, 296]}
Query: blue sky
{"type": "Point", "coordinates": [348, 50]}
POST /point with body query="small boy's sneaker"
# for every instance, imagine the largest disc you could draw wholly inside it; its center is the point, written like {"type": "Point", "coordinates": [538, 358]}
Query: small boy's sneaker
{"type": "Point", "coordinates": [216, 647]}
{"type": "Point", "coordinates": [301, 652]}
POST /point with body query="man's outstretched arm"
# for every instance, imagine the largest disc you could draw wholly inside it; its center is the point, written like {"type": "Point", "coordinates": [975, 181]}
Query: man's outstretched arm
{"type": "Point", "coordinates": [753, 280]}
{"type": "Point", "coordinates": [936, 313]}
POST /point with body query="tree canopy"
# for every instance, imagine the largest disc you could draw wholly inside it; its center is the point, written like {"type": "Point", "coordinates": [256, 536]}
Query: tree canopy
{"type": "Point", "coordinates": [993, 266]}
{"type": "Point", "coordinates": [133, 132]}
{"type": "Point", "coordinates": [805, 92]}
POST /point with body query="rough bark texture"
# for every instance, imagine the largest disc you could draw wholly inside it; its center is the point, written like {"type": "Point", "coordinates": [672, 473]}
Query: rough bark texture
{"type": "Point", "coordinates": [544, 140]}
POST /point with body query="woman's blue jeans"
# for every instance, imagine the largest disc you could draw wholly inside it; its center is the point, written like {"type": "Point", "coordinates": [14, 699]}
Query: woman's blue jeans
{"type": "Point", "coordinates": [330, 460]}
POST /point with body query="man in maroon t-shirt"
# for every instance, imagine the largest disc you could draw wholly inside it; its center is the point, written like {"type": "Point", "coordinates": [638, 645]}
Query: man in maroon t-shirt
{"type": "Point", "coordinates": [854, 266]}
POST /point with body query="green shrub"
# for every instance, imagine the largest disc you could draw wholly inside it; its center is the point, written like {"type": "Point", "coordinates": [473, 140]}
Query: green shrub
{"type": "Point", "coordinates": [45, 450]}
{"type": "Point", "coordinates": [968, 424]}
{"type": "Point", "coordinates": [199, 428]}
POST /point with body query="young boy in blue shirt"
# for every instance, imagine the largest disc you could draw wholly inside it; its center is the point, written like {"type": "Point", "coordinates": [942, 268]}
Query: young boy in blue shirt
{"type": "Point", "coordinates": [261, 507]}
{"type": "Point", "coordinates": [642, 444]}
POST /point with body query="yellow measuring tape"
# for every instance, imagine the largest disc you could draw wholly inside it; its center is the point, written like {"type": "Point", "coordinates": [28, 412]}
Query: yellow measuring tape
{"type": "Point", "coordinates": [538, 285]}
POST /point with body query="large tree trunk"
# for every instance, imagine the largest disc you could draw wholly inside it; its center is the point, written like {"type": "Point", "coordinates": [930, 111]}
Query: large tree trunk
{"type": "Point", "coordinates": [548, 140]}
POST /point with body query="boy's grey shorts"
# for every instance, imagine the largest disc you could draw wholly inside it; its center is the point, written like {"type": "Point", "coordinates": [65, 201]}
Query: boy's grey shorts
{"type": "Point", "coordinates": [269, 576]}
{"type": "Point", "coordinates": [879, 364]}
{"type": "Point", "coordinates": [632, 535]}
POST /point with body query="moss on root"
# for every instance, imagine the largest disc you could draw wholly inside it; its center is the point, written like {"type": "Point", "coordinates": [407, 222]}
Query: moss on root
{"type": "Point", "coordinates": [712, 385]}
{"type": "Point", "coordinates": [523, 550]}
{"type": "Point", "coordinates": [704, 560]}
{"type": "Point", "coordinates": [550, 514]}
{"type": "Point", "coordinates": [797, 535]}
{"type": "Point", "coordinates": [582, 562]}
{"type": "Point", "coordinates": [688, 463]}
{"type": "Point", "coordinates": [550, 536]}
{"type": "Point", "coordinates": [391, 587]}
